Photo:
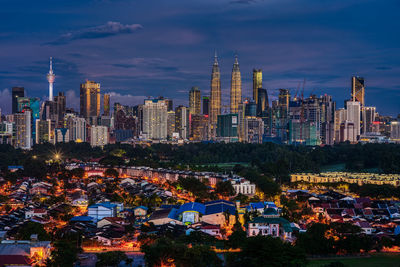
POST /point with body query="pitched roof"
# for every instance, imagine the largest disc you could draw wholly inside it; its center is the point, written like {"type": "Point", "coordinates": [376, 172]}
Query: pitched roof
{"type": "Point", "coordinates": [281, 221]}
{"type": "Point", "coordinates": [192, 206]}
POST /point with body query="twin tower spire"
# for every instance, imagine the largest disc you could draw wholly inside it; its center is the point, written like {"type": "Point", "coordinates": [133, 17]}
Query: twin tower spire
{"type": "Point", "coordinates": [215, 95]}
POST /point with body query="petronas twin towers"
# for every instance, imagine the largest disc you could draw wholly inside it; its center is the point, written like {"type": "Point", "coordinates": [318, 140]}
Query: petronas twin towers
{"type": "Point", "coordinates": [215, 95]}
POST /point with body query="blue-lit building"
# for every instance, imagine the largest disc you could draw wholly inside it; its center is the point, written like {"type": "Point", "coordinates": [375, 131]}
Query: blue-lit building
{"type": "Point", "coordinates": [33, 103]}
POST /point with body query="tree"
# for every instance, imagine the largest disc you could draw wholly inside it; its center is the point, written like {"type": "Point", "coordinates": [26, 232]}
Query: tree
{"type": "Point", "coordinates": [64, 254]}
{"type": "Point", "coordinates": [225, 188]}
{"type": "Point", "coordinates": [111, 258]}
{"type": "Point", "coordinates": [30, 228]}
{"type": "Point", "coordinates": [110, 172]}
{"type": "Point", "coordinates": [266, 251]}
{"type": "Point", "coordinates": [165, 252]}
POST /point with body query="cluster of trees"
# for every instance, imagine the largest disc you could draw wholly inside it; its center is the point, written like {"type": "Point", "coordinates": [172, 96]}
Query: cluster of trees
{"type": "Point", "coordinates": [324, 239]}
{"type": "Point", "coordinates": [167, 252]}
{"type": "Point", "coordinates": [270, 158]}
{"type": "Point", "coordinates": [375, 191]}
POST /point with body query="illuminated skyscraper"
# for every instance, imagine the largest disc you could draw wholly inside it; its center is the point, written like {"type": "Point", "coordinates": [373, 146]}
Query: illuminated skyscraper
{"type": "Point", "coordinates": [236, 87]}
{"type": "Point", "coordinates": [215, 96]}
{"type": "Point", "coordinates": [155, 117]}
{"type": "Point", "coordinates": [90, 99]}
{"type": "Point", "coordinates": [194, 101]}
{"type": "Point", "coordinates": [106, 105]}
{"type": "Point", "coordinates": [16, 92]}
{"type": "Point", "coordinates": [23, 138]}
{"type": "Point", "coordinates": [50, 77]}
{"type": "Point", "coordinates": [358, 90]}
{"type": "Point", "coordinates": [182, 122]}
{"type": "Point", "coordinates": [262, 101]}
{"type": "Point", "coordinates": [60, 105]}
{"type": "Point", "coordinates": [257, 83]}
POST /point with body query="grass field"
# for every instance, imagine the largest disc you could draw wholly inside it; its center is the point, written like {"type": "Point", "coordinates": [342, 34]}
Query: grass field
{"type": "Point", "coordinates": [381, 260]}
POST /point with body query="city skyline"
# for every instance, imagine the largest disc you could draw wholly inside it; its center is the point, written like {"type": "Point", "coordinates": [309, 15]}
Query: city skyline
{"type": "Point", "coordinates": [323, 45]}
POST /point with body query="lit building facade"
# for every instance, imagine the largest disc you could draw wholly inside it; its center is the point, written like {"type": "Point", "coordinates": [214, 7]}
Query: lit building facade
{"type": "Point", "coordinates": [90, 99]}
{"type": "Point", "coordinates": [257, 83]}
{"type": "Point", "coordinates": [236, 87]}
{"type": "Point", "coordinates": [358, 90]}
{"type": "Point", "coordinates": [215, 96]}
{"type": "Point", "coordinates": [195, 100]}
{"type": "Point", "coordinates": [23, 129]}
{"type": "Point", "coordinates": [98, 136]}
{"type": "Point", "coordinates": [155, 119]}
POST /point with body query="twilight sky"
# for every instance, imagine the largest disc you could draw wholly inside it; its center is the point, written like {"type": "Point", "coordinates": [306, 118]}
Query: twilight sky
{"type": "Point", "coordinates": [140, 48]}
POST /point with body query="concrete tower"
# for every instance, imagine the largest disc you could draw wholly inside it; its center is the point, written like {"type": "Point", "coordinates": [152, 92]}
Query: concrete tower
{"type": "Point", "coordinates": [215, 95]}
{"type": "Point", "coordinates": [236, 87]}
{"type": "Point", "coordinates": [50, 77]}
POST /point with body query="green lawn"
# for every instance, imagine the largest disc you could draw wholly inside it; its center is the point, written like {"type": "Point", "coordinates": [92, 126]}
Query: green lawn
{"type": "Point", "coordinates": [381, 260]}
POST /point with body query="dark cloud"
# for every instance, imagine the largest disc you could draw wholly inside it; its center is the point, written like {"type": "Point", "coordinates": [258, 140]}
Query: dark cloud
{"type": "Point", "coordinates": [383, 68]}
{"type": "Point", "coordinates": [111, 28]}
{"type": "Point", "coordinates": [243, 2]}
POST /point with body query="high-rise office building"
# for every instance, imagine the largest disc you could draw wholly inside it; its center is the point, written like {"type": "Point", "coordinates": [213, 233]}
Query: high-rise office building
{"type": "Point", "coordinates": [369, 114]}
{"type": "Point", "coordinates": [98, 136]}
{"type": "Point", "coordinates": [257, 83]}
{"type": "Point", "coordinates": [194, 101]}
{"type": "Point", "coordinates": [199, 127]}
{"type": "Point", "coordinates": [182, 122]}
{"type": "Point", "coordinates": [23, 129]}
{"type": "Point", "coordinates": [61, 135]}
{"type": "Point", "coordinates": [358, 90]}
{"type": "Point", "coordinates": [236, 87]}
{"type": "Point", "coordinates": [282, 114]}
{"type": "Point", "coordinates": [33, 104]}
{"type": "Point", "coordinates": [43, 131]}
{"type": "Point", "coordinates": [77, 128]}
{"type": "Point", "coordinates": [262, 101]}
{"type": "Point", "coordinates": [155, 119]}
{"type": "Point", "coordinates": [348, 132]}
{"type": "Point", "coordinates": [395, 131]}
{"type": "Point", "coordinates": [353, 115]}
{"type": "Point", "coordinates": [215, 96]}
{"type": "Point", "coordinates": [60, 105]}
{"type": "Point", "coordinates": [227, 127]}
{"type": "Point", "coordinates": [106, 105]}
{"type": "Point", "coordinates": [206, 105]}
{"type": "Point", "coordinates": [253, 130]}
{"type": "Point", "coordinates": [16, 92]}
{"type": "Point", "coordinates": [90, 99]}
{"type": "Point", "coordinates": [171, 124]}
{"type": "Point", "coordinates": [340, 117]}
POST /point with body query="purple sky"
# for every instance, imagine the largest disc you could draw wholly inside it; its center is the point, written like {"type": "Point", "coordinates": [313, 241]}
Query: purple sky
{"type": "Point", "coordinates": [140, 48]}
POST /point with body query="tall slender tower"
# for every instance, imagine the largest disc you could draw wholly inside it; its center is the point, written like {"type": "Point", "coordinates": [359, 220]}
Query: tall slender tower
{"type": "Point", "coordinates": [215, 95]}
{"type": "Point", "coordinates": [257, 83]}
{"type": "Point", "coordinates": [50, 77]}
{"type": "Point", "coordinates": [236, 87]}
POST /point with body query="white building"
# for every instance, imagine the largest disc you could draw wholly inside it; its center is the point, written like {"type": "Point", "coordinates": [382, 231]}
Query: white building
{"type": "Point", "coordinates": [243, 187]}
{"type": "Point", "coordinates": [61, 135]}
{"type": "Point", "coordinates": [348, 132]}
{"type": "Point", "coordinates": [77, 128]}
{"type": "Point", "coordinates": [155, 119]}
{"type": "Point", "coordinates": [353, 115]}
{"type": "Point", "coordinates": [395, 131]}
{"type": "Point", "coordinates": [98, 135]}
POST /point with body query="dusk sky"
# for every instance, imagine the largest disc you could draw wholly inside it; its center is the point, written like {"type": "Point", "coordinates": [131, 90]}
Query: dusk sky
{"type": "Point", "coordinates": [146, 48]}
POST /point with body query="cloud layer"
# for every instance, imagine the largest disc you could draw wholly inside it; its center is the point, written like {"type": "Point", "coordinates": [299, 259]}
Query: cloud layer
{"type": "Point", "coordinates": [111, 28]}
